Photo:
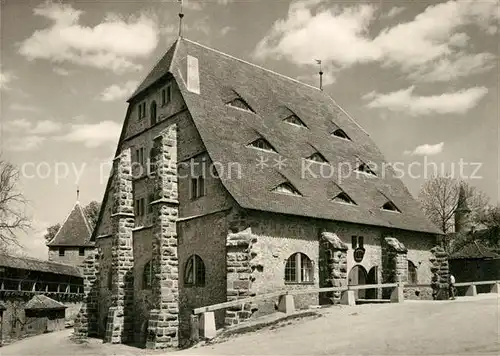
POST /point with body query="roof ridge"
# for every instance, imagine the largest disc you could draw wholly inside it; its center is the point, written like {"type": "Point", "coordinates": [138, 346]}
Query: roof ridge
{"type": "Point", "coordinates": [250, 63]}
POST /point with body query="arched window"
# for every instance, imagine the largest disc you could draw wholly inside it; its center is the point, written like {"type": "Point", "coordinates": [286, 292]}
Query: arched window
{"type": "Point", "coordinates": [152, 161]}
{"type": "Point", "coordinates": [147, 276]}
{"type": "Point", "coordinates": [412, 273]}
{"type": "Point", "coordinates": [153, 112]}
{"type": "Point", "coordinates": [299, 269]}
{"type": "Point", "coordinates": [194, 272]}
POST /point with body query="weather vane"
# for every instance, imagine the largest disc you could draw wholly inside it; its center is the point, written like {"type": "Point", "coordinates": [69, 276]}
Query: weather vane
{"type": "Point", "coordinates": [181, 16]}
{"type": "Point", "coordinates": [320, 74]}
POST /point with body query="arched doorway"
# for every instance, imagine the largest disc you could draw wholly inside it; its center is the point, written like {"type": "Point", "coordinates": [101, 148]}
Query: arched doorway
{"type": "Point", "coordinates": [358, 276]}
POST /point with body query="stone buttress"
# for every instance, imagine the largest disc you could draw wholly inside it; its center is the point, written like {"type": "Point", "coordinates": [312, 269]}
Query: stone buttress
{"type": "Point", "coordinates": [163, 323]}
{"type": "Point", "coordinates": [119, 328]}
{"type": "Point", "coordinates": [333, 265]}
{"type": "Point", "coordinates": [394, 263]}
{"type": "Point", "coordinates": [86, 320]}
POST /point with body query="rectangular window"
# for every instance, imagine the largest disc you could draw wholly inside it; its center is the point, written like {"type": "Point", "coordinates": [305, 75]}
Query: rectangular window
{"type": "Point", "coordinates": [163, 97]}
{"type": "Point", "coordinates": [194, 188]}
{"type": "Point", "coordinates": [197, 187]}
{"type": "Point", "coordinates": [81, 251]}
{"type": "Point", "coordinates": [361, 242]}
{"type": "Point", "coordinates": [151, 199]}
{"type": "Point", "coordinates": [61, 251]}
{"type": "Point", "coordinates": [201, 186]}
{"type": "Point", "coordinates": [169, 94]}
{"type": "Point", "coordinates": [142, 205]}
{"type": "Point", "coordinates": [354, 242]}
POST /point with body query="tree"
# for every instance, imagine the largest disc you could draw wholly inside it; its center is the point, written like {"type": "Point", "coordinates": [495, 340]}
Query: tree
{"type": "Point", "coordinates": [51, 232]}
{"type": "Point", "coordinates": [13, 217]}
{"type": "Point", "coordinates": [91, 212]}
{"type": "Point", "coordinates": [439, 198]}
{"type": "Point", "coordinates": [490, 220]}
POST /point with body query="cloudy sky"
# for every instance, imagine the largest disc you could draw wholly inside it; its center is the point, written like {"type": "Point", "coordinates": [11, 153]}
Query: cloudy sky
{"type": "Point", "coordinates": [421, 77]}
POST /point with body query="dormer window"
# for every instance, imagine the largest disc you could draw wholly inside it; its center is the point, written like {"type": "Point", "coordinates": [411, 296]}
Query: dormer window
{"type": "Point", "coordinates": [364, 168]}
{"type": "Point", "coordinates": [294, 120]}
{"type": "Point", "coordinates": [390, 206]}
{"type": "Point", "coordinates": [241, 104]}
{"type": "Point", "coordinates": [344, 199]}
{"type": "Point", "coordinates": [262, 144]}
{"type": "Point", "coordinates": [287, 188]}
{"type": "Point", "coordinates": [341, 133]}
{"type": "Point", "coordinates": [317, 157]}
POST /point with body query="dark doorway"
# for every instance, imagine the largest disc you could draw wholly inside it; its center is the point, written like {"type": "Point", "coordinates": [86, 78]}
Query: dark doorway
{"type": "Point", "coordinates": [358, 276]}
{"type": "Point", "coordinates": [372, 279]}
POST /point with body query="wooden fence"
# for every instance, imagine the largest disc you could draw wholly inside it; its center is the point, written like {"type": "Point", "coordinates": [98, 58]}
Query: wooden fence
{"type": "Point", "coordinates": [203, 320]}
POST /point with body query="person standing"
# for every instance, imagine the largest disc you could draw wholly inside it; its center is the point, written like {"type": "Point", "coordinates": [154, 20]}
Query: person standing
{"type": "Point", "coordinates": [452, 287]}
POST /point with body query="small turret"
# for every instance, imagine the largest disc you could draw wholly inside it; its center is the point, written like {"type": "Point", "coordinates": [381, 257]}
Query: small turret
{"type": "Point", "coordinates": [462, 212]}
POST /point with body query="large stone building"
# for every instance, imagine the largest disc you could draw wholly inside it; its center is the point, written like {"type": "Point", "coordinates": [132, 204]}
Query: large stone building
{"type": "Point", "coordinates": [72, 244]}
{"type": "Point", "coordinates": [232, 180]}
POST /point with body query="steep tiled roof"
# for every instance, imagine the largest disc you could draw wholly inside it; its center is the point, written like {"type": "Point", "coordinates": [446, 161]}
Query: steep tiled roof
{"type": "Point", "coordinates": [226, 132]}
{"type": "Point", "coordinates": [75, 231]}
{"type": "Point", "coordinates": [41, 301]}
{"type": "Point", "coordinates": [474, 250]}
{"type": "Point", "coordinates": [32, 264]}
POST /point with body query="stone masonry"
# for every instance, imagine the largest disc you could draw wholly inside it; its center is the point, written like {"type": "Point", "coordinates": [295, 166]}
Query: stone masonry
{"type": "Point", "coordinates": [242, 268]}
{"type": "Point", "coordinates": [440, 273]}
{"type": "Point", "coordinates": [119, 328]}
{"type": "Point", "coordinates": [86, 320]}
{"type": "Point", "coordinates": [163, 323]}
{"type": "Point", "coordinates": [394, 262]}
{"type": "Point", "coordinates": [334, 261]}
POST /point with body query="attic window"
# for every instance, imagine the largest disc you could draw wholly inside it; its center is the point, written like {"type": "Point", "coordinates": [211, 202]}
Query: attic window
{"type": "Point", "coordinates": [341, 133]}
{"type": "Point", "coordinates": [239, 103]}
{"type": "Point", "coordinates": [317, 157]}
{"type": "Point", "coordinates": [390, 206]}
{"type": "Point", "coordinates": [364, 168]}
{"type": "Point", "coordinates": [294, 120]}
{"type": "Point", "coordinates": [344, 198]}
{"type": "Point", "coordinates": [287, 188]}
{"type": "Point", "coordinates": [262, 144]}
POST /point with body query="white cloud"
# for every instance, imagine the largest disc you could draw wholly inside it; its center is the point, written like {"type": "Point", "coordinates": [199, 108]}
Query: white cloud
{"type": "Point", "coordinates": [46, 127]}
{"type": "Point", "coordinates": [24, 143]}
{"type": "Point", "coordinates": [225, 30]}
{"type": "Point", "coordinates": [93, 135]}
{"type": "Point", "coordinates": [396, 10]}
{"type": "Point", "coordinates": [447, 69]}
{"type": "Point", "coordinates": [5, 79]}
{"type": "Point", "coordinates": [16, 125]}
{"type": "Point", "coordinates": [23, 126]}
{"type": "Point", "coordinates": [426, 150]}
{"type": "Point", "coordinates": [22, 107]}
{"type": "Point", "coordinates": [116, 92]}
{"type": "Point", "coordinates": [404, 100]}
{"type": "Point", "coordinates": [61, 71]}
{"type": "Point", "coordinates": [112, 44]}
{"type": "Point", "coordinates": [344, 36]}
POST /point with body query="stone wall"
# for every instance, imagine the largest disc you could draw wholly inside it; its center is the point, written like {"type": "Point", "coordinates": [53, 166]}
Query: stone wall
{"type": "Point", "coordinates": [332, 266]}
{"type": "Point", "coordinates": [210, 244]}
{"type": "Point", "coordinates": [440, 277]}
{"type": "Point", "coordinates": [119, 328]}
{"type": "Point", "coordinates": [163, 324]}
{"type": "Point", "coordinates": [71, 255]}
{"type": "Point", "coordinates": [86, 323]}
